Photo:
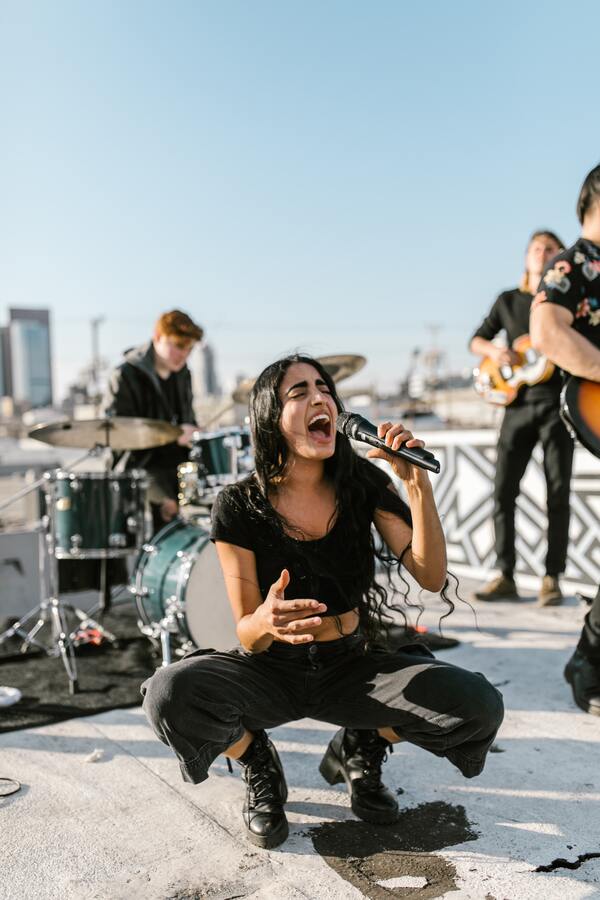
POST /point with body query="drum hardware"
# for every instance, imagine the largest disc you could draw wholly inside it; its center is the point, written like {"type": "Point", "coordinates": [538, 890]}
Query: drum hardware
{"type": "Point", "coordinates": [66, 531]}
{"type": "Point", "coordinates": [51, 610]}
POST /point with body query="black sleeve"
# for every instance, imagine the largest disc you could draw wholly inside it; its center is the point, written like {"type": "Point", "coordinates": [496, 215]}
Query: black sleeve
{"type": "Point", "coordinates": [563, 284]}
{"type": "Point", "coordinates": [120, 399]}
{"type": "Point", "coordinates": [492, 323]}
{"type": "Point", "coordinates": [229, 524]}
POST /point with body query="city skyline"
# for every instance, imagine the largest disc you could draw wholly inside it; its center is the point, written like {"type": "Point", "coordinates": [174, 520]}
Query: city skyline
{"type": "Point", "coordinates": [328, 178]}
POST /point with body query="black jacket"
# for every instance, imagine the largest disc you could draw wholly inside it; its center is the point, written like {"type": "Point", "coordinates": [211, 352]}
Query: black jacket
{"type": "Point", "coordinates": [134, 390]}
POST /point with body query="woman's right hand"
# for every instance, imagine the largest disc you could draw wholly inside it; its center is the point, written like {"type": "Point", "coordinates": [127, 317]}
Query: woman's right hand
{"type": "Point", "coordinates": [292, 621]}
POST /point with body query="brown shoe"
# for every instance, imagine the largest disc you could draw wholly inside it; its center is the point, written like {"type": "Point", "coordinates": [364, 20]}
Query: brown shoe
{"type": "Point", "coordinates": [501, 588]}
{"type": "Point", "coordinates": [550, 593]}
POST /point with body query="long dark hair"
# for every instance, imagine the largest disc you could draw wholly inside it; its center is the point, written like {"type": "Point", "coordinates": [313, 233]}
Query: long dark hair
{"type": "Point", "coordinates": [270, 447]}
{"type": "Point", "coordinates": [590, 192]}
{"type": "Point", "coordinates": [355, 480]}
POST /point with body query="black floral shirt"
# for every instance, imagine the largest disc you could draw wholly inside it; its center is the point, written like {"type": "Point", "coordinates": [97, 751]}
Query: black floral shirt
{"type": "Point", "coordinates": [572, 280]}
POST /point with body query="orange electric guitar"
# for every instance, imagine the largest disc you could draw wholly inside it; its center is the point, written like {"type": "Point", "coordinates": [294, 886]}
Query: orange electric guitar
{"type": "Point", "coordinates": [501, 384]}
{"type": "Point", "coordinates": [580, 409]}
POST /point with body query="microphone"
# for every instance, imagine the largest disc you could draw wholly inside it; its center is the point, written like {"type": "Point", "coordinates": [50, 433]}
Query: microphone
{"type": "Point", "coordinates": [360, 429]}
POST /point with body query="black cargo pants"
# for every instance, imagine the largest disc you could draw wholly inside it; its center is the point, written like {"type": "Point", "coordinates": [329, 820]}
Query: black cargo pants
{"type": "Point", "coordinates": [202, 704]}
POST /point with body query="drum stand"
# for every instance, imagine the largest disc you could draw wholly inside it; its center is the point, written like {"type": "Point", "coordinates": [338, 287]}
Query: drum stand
{"type": "Point", "coordinates": [50, 610]}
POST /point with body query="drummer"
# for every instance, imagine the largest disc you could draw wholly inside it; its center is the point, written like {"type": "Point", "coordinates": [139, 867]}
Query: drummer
{"type": "Point", "coordinates": [154, 382]}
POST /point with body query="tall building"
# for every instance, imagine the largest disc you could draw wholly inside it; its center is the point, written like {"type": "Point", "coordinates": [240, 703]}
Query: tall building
{"type": "Point", "coordinates": [205, 382]}
{"type": "Point", "coordinates": [210, 372]}
{"type": "Point", "coordinates": [30, 360]}
{"type": "Point", "coordinates": [5, 379]}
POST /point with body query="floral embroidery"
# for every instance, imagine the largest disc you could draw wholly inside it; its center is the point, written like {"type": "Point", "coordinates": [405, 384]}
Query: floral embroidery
{"type": "Point", "coordinates": [591, 269]}
{"type": "Point", "coordinates": [557, 278]}
{"type": "Point", "coordinates": [589, 307]}
{"type": "Point", "coordinates": [572, 282]}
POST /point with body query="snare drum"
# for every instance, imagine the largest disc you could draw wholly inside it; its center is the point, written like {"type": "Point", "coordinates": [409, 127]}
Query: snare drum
{"type": "Point", "coordinates": [96, 515]}
{"type": "Point", "coordinates": [179, 589]}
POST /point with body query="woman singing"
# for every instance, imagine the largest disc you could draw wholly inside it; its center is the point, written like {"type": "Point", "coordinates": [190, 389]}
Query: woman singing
{"type": "Point", "coordinates": [298, 555]}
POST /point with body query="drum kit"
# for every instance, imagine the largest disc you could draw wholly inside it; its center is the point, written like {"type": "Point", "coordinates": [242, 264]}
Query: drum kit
{"type": "Point", "coordinates": [103, 515]}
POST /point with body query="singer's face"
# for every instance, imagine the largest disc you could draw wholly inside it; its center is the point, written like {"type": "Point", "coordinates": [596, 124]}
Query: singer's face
{"type": "Point", "coordinates": [308, 413]}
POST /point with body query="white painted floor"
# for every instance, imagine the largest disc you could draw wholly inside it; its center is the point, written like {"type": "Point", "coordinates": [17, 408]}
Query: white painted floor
{"type": "Point", "coordinates": [126, 826]}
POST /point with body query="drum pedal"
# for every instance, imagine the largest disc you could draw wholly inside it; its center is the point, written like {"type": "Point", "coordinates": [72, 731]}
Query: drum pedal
{"type": "Point", "coordinates": [88, 636]}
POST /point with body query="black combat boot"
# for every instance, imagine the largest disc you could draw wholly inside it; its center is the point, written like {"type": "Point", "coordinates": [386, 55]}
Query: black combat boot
{"type": "Point", "coordinates": [356, 757]}
{"type": "Point", "coordinates": [266, 793]}
{"type": "Point", "coordinates": [583, 674]}
{"type": "Point", "coordinates": [583, 669]}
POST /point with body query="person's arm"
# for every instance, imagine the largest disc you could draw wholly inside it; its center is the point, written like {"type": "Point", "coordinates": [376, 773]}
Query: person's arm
{"type": "Point", "coordinates": [552, 334]}
{"type": "Point", "coordinates": [259, 622]}
{"type": "Point", "coordinates": [425, 558]}
{"type": "Point", "coordinates": [482, 344]}
{"type": "Point", "coordinates": [120, 399]}
{"type": "Point", "coordinates": [502, 356]}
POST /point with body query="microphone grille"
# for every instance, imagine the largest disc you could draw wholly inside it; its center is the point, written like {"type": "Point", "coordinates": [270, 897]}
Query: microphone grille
{"type": "Point", "coordinates": [343, 423]}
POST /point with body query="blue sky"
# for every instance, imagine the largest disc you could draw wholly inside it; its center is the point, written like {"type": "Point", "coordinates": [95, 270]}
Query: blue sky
{"type": "Point", "coordinates": [335, 176]}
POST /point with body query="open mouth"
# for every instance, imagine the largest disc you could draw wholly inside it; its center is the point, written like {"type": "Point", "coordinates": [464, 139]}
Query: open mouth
{"type": "Point", "coordinates": [320, 426]}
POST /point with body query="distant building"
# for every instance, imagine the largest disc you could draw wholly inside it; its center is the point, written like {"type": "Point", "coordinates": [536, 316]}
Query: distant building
{"type": "Point", "coordinates": [202, 363]}
{"type": "Point", "coordinates": [29, 358]}
{"type": "Point", "coordinates": [5, 379]}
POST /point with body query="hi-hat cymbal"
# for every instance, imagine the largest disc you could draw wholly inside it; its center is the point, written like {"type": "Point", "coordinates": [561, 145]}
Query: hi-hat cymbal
{"type": "Point", "coordinates": [339, 366]}
{"type": "Point", "coordinates": [116, 432]}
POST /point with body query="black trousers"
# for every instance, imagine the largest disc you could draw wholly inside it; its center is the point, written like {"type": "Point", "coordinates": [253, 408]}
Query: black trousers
{"type": "Point", "coordinates": [522, 427]}
{"type": "Point", "coordinates": [202, 704]}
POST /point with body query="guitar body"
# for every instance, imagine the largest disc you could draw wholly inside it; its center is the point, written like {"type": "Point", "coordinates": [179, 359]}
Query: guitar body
{"type": "Point", "coordinates": [580, 409]}
{"type": "Point", "coordinates": [501, 384]}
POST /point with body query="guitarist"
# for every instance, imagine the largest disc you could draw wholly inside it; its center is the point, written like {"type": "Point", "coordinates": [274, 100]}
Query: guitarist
{"type": "Point", "coordinates": [533, 416]}
{"type": "Point", "coordinates": [565, 326]}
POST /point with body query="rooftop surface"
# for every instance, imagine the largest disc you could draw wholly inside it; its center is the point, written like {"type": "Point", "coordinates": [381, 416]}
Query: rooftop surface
{"type": "Point", "coordinates": [126, 826]}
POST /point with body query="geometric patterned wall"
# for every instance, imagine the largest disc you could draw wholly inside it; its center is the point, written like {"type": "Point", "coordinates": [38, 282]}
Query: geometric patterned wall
{"type": "Point", "coordinates": [464, 496]}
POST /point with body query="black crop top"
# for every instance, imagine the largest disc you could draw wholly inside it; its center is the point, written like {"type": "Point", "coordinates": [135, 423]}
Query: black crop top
{"type": "Point", "coordinates": [336, 569]}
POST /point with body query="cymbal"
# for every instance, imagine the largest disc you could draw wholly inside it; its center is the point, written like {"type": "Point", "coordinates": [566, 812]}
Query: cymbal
{"type": "Point", "coordinates": [116, 432]}
{"type": "Point", "coordinates": [342, 365]}
{"type": "Point", "coordinates": [241, 394]}
{"type": "Point", "coordinates": [339, 366]}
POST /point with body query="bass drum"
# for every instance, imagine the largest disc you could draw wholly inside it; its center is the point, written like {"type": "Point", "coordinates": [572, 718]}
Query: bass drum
{"type": "Point", "coordinates": [179, 589]}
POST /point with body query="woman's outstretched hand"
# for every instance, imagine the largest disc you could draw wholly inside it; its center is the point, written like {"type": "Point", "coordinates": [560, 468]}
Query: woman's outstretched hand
{"type": "Point", "coordinates": [292, 621]}
{"type": "Point", "coordinates": [395, 436]}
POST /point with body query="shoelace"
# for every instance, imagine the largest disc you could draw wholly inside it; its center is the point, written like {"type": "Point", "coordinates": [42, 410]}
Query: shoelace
{"type": "Point", "coordinates": [373, 754]}
{"type": "Point", "coordinates": [261, 780]}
